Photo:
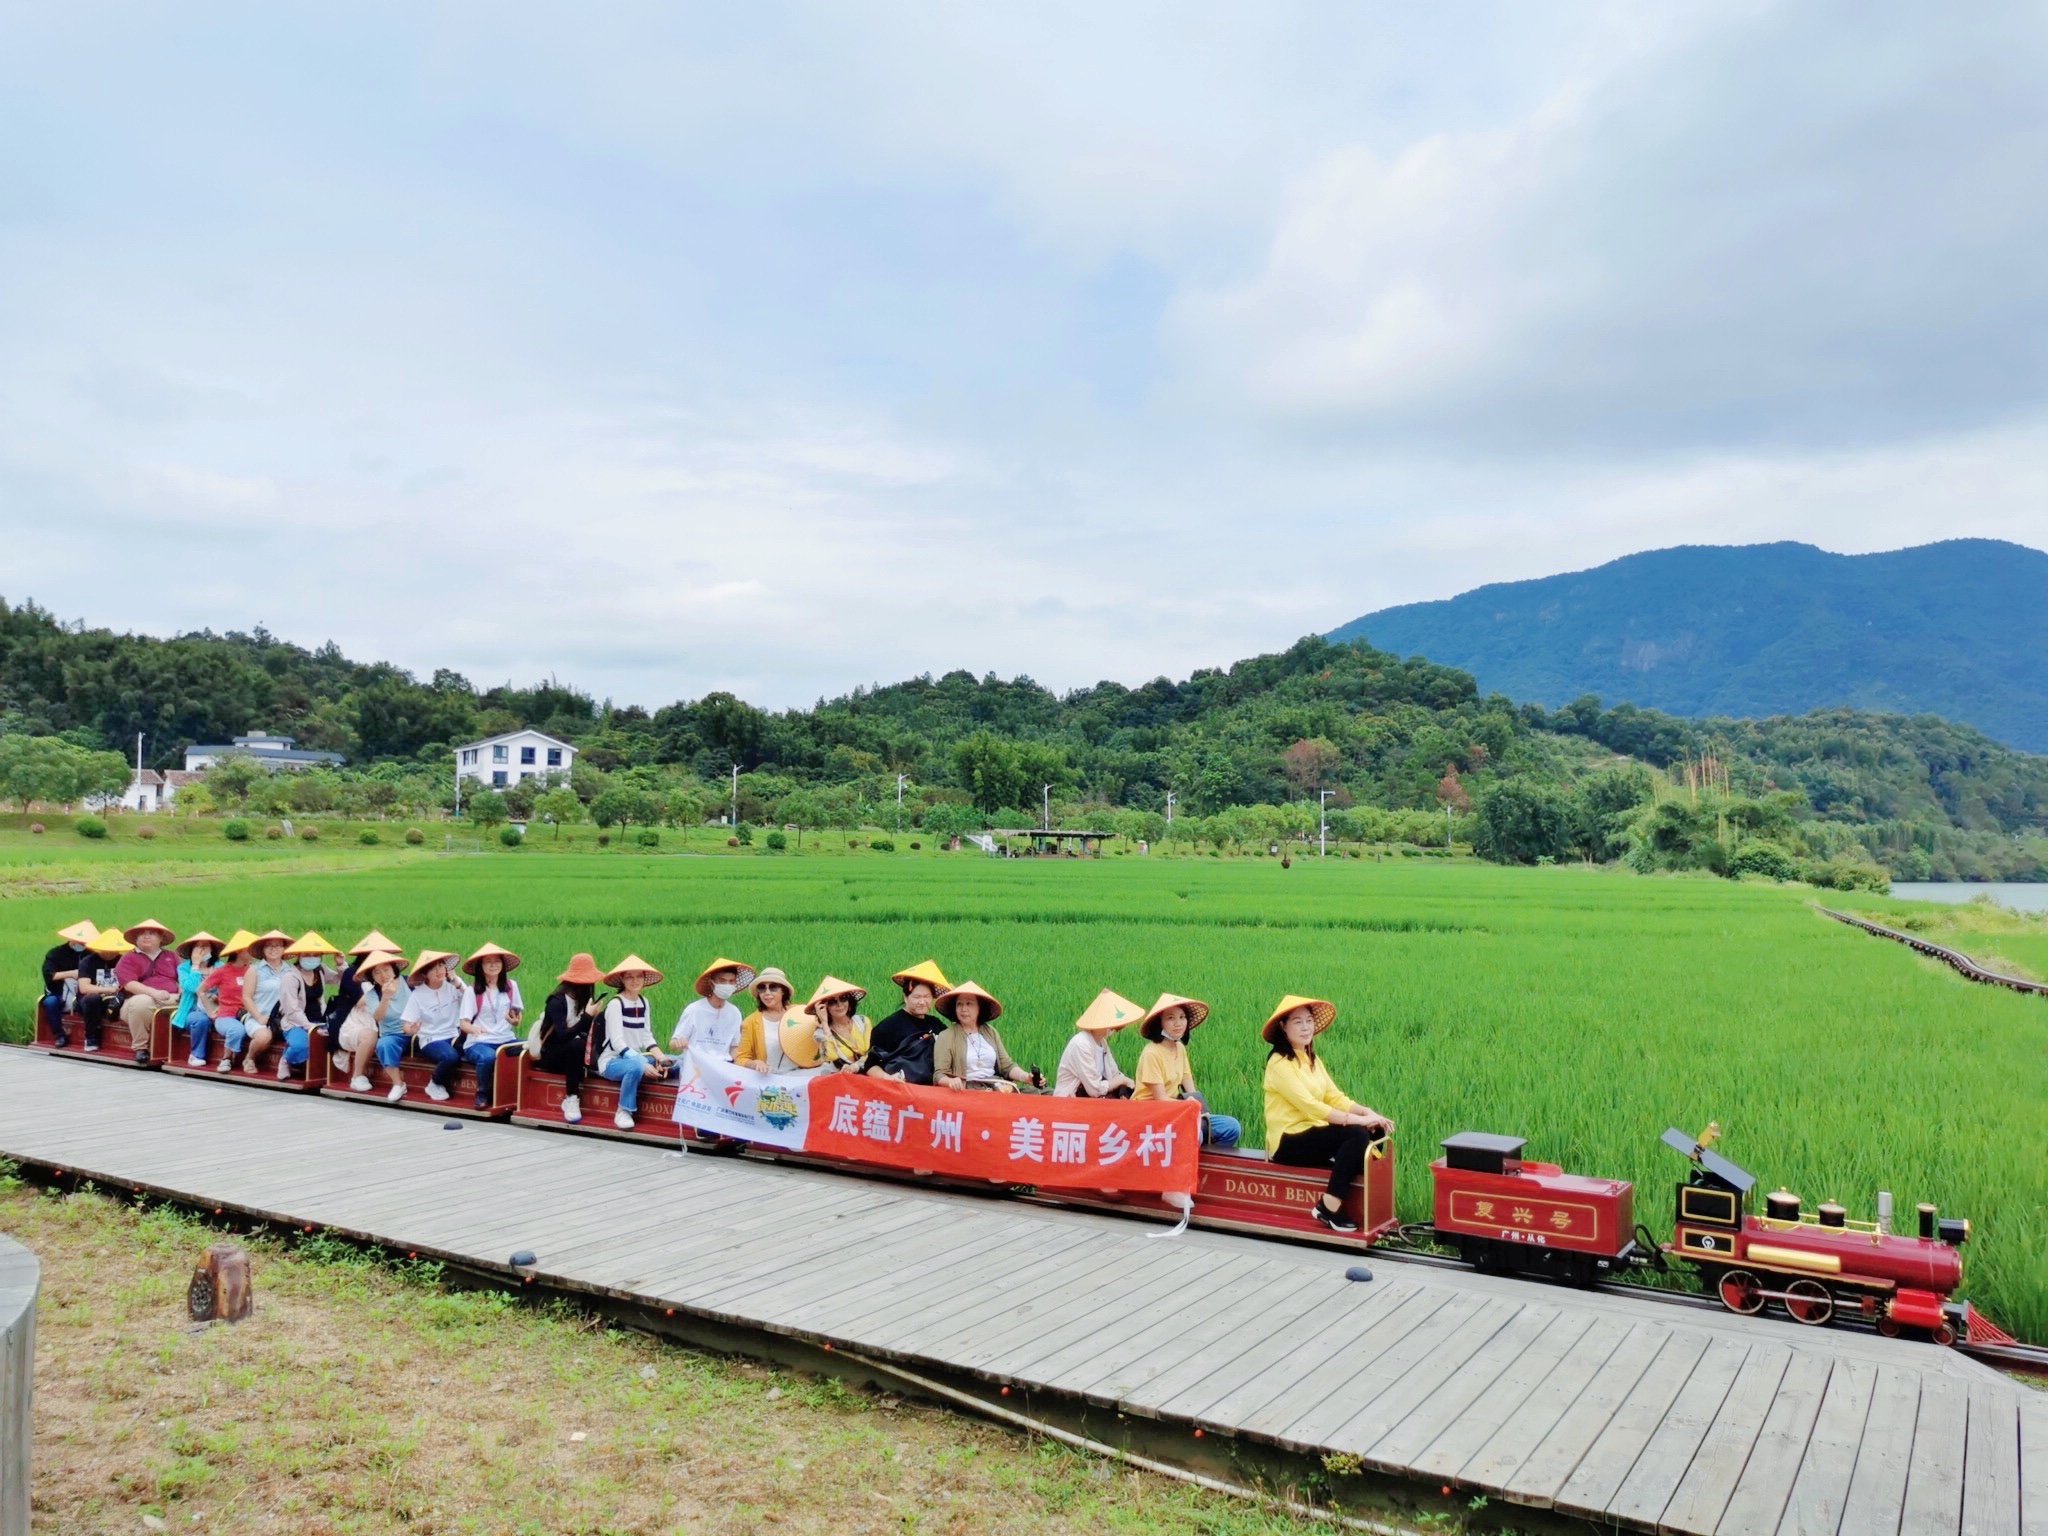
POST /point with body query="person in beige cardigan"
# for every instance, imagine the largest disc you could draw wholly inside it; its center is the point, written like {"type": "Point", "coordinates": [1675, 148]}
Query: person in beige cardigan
{"type": "Point", "coordinates": [970, 1054]}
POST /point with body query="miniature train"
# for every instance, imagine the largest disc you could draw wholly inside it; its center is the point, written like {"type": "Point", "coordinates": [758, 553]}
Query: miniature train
{"type": "Point", "coordinates": [1501, 1213]}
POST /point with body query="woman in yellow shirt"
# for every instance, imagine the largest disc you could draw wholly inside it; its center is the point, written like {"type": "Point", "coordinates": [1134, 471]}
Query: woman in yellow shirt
{"type": "Point", "coordinates": [1163, 1069]}
{"type": "Point", "coordinates": [1309, 1121]}
{"type": "Point", "coordinates": [760, 1044]}
{"type": "Point", "coordinates": [841, 1033]}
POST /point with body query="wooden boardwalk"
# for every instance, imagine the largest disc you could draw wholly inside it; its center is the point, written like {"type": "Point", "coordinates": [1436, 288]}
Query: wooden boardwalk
{"type": "Point", "coordinates": [1634, 1414]}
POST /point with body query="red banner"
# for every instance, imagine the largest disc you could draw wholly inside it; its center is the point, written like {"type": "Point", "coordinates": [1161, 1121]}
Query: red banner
{"type": "Point", "coordinates": [1008, 1138]}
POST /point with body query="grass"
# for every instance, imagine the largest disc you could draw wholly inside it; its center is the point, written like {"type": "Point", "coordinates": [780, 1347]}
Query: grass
{"type": "Point", "coordinates": [363, 1399]}
{"type": "Point", "coordinates": [1586, 1010]}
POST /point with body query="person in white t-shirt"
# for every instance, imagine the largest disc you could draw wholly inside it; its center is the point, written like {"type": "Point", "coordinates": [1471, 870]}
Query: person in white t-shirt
{"type": "Point", "coordinates": [491, 1010]}
{"type": "Point", "coordinates": [630, 1053]}
{"type": "Point", "coordinates": [433, 1017]}
{"type": "Point", "coordinates": [711, 1023]}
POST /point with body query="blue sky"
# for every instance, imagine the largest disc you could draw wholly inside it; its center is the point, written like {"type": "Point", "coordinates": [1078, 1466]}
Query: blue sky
{"type": "Point", "coordinates": [783, 348]}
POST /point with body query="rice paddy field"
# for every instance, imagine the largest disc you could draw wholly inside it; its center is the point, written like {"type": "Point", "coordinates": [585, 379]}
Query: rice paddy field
{"type": "Point", "coordinates": [1584, 1009]}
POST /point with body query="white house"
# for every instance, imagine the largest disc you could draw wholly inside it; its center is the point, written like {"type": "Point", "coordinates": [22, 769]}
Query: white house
{"type": "Point", "coordinates": [151, 791]}
{"type": "Point", "coordinates": [271, 751]}
{"type": "Point", "coordinates": [498, 762]}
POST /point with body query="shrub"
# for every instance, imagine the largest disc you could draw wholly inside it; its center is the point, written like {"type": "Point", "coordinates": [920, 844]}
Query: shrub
{"type": "Point", "coordinates": [511, 837]}
{"type": "Point", "coordinates": [1766, 859]}
{"type": "Point", "coordinates": [648, 838]}
{"type": "Point", "coordinates": [854, 842]}
{"type": "Point", "coordinates": [310, 834]}
{"type": "Point", "coordinates": [604, 839]}
{"type": "Point", "coordinates": [732, 842]}
{"type": "Point", "coordinates": [146, 833]}
{"type": "Point", "coordinates": [415, 836]}
{"type": "Point", "coordinates": [745, 834]}
{"type": "Point", "coordinates": [89, 826]}
{"type": "Point", "coordinates": [274, 833]}
{"type": "Point", "coordinates": [236, 831]}
{"type": "Point", "coordinates": [776, 841]}
{"type": "Point", "coordinates": [915, 845]}
{"type": "Point", "coordinates": [368, 837]}
{"type": "Point", "coordinates": [883, 845]}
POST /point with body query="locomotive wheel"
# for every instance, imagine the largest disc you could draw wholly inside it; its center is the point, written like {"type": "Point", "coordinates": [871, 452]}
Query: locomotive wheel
{"type": "Point", "coordinates": [1943, 1334]}
{"type": "Point", "coordinates": [1809, 1302]}
{"type": "Point", "coordinates": [1742, 1292]}
{"type": "Point", "coordinates": [1888, 1326]}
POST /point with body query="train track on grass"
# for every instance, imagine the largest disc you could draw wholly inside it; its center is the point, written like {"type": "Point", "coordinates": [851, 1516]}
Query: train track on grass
{"type": "Point", "coordinates": [1950, 957]}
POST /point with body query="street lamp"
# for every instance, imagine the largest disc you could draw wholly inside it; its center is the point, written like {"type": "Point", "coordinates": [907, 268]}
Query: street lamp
{"type": "Point", "coordinates": [901, 780]}
{"type": "Point", "coordinates": [735, 799]}
{"type": "Point", "coordinates": [1047, 823]}
{"type": "Point", "coordinates": [1323, 823]}
{"type": "Point", "coordinates": [1170, 798]}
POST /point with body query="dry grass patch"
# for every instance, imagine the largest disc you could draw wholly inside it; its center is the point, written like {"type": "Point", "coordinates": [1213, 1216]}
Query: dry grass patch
{"type": "Point", "coordinates": [367, 1398]}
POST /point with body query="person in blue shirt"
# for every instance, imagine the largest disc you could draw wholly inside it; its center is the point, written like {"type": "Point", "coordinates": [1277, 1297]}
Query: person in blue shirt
{"type": "Point", "coordinates": [196, 957]}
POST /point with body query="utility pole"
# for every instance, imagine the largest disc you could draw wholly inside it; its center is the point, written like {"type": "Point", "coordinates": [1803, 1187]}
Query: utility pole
{"type": "Point", "coordinates": [735, 799]}
{"type": "Point", "coordinates": [138, 770]}
{"type": "Point", "coordinates": [1170, 798]}
{"type": "Point", "coordinates": [1048, 808]}
{"type": "Point", "coordinates": [1323, 823]}
{"type": "Point", "coordinates": [901, 780]}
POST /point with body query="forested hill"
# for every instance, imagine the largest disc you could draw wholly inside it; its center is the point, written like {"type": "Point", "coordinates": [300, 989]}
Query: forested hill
{"type": "Point", "coordinates": [1957, 629]}
{"type": "Point", "coordinates": [1372, 728]}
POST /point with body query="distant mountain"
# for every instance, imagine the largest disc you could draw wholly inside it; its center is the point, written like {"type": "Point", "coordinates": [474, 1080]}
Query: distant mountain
{"type": "Point", "coordinates": [1957, 629]}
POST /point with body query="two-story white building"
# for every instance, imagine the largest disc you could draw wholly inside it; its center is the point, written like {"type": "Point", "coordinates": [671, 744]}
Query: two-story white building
{"type": "Point", "coordinates": [499, 762]}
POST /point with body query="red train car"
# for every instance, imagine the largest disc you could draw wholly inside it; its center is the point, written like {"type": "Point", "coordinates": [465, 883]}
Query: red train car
{"type": "Point", "coordinates": [537, 1100]}
{"type": "Point", "coordinates": [1818, 1264]}
{"type": "Point", "coordinates": [171, 1055]}
{"type": "Point", "coordinates": [1506, 1215]}
{"type": "Point", "coordinates": [416, 1071]}
{"type": "Point", "coordinates": [117, 1047]}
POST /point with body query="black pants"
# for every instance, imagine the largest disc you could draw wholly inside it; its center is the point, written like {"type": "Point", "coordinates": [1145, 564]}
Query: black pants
{"type": "Point", "coordinates": [1339, 1148]}
{"type": "Point", "coordinates": [565, 1055]}
{"type": "Point", "coordinates": [94, 1011]}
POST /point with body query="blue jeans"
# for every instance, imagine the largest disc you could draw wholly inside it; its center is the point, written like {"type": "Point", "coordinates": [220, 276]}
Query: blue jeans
{"type": "Point", "coordinates": [298, 1046]}
{"type": "Point", "coordinates": [234, 1029]}
{"type": "Point", "coordinates": [626, 1070]}
{"type": "Point", "coordinates": [484, 1058]}
{"type": "Point", "coordinates": [53, 1010]}
{"type": "Point", "coordinates": [446, 1056]}
{"type": "Point", "coordinates": [198, 1026]}
{"type": "Point", "coordinates": [1222, 1132]}
{"type": "Point", "coordinates": [390, 1051]}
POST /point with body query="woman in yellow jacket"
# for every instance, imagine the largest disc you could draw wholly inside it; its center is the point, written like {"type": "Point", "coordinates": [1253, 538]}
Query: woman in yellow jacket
{"type": "Point", "coordinates": [1310, 1123]}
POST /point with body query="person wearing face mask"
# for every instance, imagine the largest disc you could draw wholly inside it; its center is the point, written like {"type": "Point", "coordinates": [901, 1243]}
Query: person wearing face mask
{"type": "Point", "coordinates": [61, 968]}
{"type": "Point", "coordinates": [300, 996]}
{"type": "Point", "coordinates": [1163, 1070]}
{"type": "Point", "coordinates": [901, 1045]}
{"type": "Point", "coordinates": [711, 1023]}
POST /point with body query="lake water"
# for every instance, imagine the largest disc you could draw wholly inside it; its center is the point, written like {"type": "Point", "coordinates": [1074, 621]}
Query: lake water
{"type": "Point", "coordinates": [2019, 897]}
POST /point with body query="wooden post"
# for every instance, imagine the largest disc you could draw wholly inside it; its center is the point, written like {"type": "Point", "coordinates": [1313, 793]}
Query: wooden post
{"type": "Point", "coordinates": [221, 1288]}
{"type": "Point", "coordinates": [20, 1275]}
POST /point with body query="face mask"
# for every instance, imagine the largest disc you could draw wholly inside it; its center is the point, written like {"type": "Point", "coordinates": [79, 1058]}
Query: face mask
{"type": "Point", "coordinates": [723, 990]}
{"type": "Point", "coordinates": [310, 962]}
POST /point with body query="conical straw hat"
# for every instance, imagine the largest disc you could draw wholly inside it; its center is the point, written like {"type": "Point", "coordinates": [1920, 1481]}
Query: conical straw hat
{"type": "Point", "coordinates": [800, 1037]}
{"type": "Point", "coordinates": [276, 935]}
{"type": "Point", "coordinates": [310, 943]}
{"type": "Point", "coordinates": [426, 958]}
{"type": "Point", "coordinates": [832, 987]}
{"type": "Point", "coordinates": [722, 964]}
{"type": "Point", "coordinates": [484, 952]}
{"type": "Point", "coordinates": [926, 971]}
{"type": "Point", "coordinates": [80, 932]}
{"type": "Point", "coordinates": [1324, 1010]}
{"type": "Point", "coordinates": [372, 942]}
{"type": "Point", "coordinates": [1197, 1010]}
{"type": "Point", "coordinates": [110, 943]}
{"type": "Point", "coordinates": [238, 943]}
{"type": "Point", "coordinates": [365, 964]}
{"type": "Point", "coordinates": [1109, 1012]}
{"type": "Point", "coordinates": [149, 923]}
{"type": "Point", "coordinates": [185, 946]}
{"type": "Point", "coordinates": [633, 963]}
{"type": "Point", "coordinates": [991, 1010]}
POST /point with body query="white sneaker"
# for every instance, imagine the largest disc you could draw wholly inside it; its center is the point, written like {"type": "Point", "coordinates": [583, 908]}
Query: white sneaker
{"type": "Point", "coordinates": [359, 1085]}
{"type": "Point", "coordinates": [93, 1048]}
{"type": "Point", "coordinates": [284, 1069]}
{"type": "Point", "coordinates": [195, 1061]}
{"type": "Point", "coordinates": [572, 1110]}
{"type": "Point", "coordinates": [623, 1121]}
{"type": "Point", "coordinates": [397, 1092]}
{"type": "Point", "coordinates": [437, 1093]}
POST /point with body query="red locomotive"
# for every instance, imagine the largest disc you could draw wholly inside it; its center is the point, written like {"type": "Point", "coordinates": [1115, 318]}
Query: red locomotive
{"type": "Point", "coordinates": [1815, 1264]}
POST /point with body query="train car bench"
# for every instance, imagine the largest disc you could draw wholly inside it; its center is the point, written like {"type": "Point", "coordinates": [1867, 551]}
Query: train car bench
{"type": "Point", "coordinates": [117, 1046]}
{"type": "Point", "coordinates": [417, 1071]}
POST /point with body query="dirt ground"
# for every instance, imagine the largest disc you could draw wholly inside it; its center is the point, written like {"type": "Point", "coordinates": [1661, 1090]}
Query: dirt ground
{"type": "Point", "coordinates": [367, 1398]}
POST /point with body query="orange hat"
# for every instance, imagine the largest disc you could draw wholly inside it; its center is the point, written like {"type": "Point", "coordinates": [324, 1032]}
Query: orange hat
{"type": "Point", "coordinates": [582, 972]}
{"type": "Point", "coordinates": [633, 963]}
{"type": "Point", "coordinates": [722, 964]}
{"type": "Point", "coordinates": [484, 952]}
{"type": "Point", "coordinates": [146, 925]}
{"type": "Point", "coordinates": [1195, 1009]}
{"type": "Point", "coordinates": [1324, 1010]}
{"type": "Point", "coordinates": [945, 1002]}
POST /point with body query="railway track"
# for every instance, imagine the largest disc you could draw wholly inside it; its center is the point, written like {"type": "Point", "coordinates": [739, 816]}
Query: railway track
{"type": "Point", "coordinates": [1950, 957]}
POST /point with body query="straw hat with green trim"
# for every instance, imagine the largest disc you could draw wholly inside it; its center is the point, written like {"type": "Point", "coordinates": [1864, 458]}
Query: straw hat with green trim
{"type": "Point", "coordinates": [80, 932]}
{"type": "Point", "coordinates": [1324, 1010]}
{"type": "Point", "coordinates": [426, 958]}
{"type": "Point", "coordinates": [185, 946]}
{"type": "Point", "coordinates": [746, 975]}
{"type": "Point", "coordinates": [484, 952]}
{"type": "Point", "coordinates": [110, 943]}
{"type": "Point", "coordinates": [372, 943]}
{"type": "Point", "coordinates": [1195, 1009]}
{"type": "Point", "coordinates": [150, 925]}
{"type": "Point", "coordinates": [926, 971]}
{"type": "Point", "coordinates": [635, 963]}
{"type": "Point", "coordinates": [947, 1002]}
{"type": "Point", "coordinates": [1109, 1013]}
{"type": "Point", "coordinates": [830, 988]}
{"type": "Point", "coordinates": [309, 943]}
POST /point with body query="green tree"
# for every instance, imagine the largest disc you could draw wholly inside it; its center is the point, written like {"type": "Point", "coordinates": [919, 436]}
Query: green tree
{"type": "Point", "coordinates": [1520, 822]}
{"type": "Point", "coordinates": [558, 806]}
{"type": "Point", "coordinates": [800, 810]}
{"type": "Point", "coordinates": [234, 778]}
{"type": "Point", "coordinates": [487, 808]}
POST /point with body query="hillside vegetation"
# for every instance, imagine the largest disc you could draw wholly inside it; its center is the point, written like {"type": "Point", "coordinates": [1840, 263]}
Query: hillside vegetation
{"type": "Point", "coordinates": [1253, 755]}
{"type": "Point", "coordinates": [1956, 629]}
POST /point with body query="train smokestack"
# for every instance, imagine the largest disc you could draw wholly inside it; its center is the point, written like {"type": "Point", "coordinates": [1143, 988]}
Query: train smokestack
{"type": "Point", "coordinates": [1928, 1230]}
{"type": "Point", "coordinates": [1833, 1214]}
{"type": "Point", "coordinates": [1781, 1205]}
{"type": "Point", "coordinates": [1884, 1211]}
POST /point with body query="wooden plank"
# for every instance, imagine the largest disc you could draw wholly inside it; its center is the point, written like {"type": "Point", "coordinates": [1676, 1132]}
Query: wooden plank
{"type": "Point", "coordinates": [1227, 1395]}
{"type": "Point", "coordinates": [963, 1305]}
{"type": "Point", "coordinates": [1755, 1505]}
{"type": "Point", "coordinates": [1460, 1439]}
{"type": "Point", "coordinates": [1343, 1360]}
{"type": "Point", "coordinates": [1991, 1464]}
{"type": "Point", "coordinates": [1416, 1429]}
{"type": "Point", "coordinates": [1686, 1432]}
{"type": "Point", "coordinates": [1463, 1313]}
{"type": "Point", "coordinates": [1558, 1411]}
{"type": "Point", "coordinates": [1087, 1301]}
{"type": "Point", "coordinates": [994, 1310]}
{"type": "Point", "coordinates": [797, 1280]}
{"type": "Point", "coordinates": [1934, 1485]}
{"type": "Point", "coordinates": [2033, 1408]}
{"type": "Point", "coordinates": [908, 1291]}
{"type": "Point", "coordinates": [1255, 1313]}
{"type": "Point", "coordinates": [1608, 1405]}
{"type": "Point", "coordinates": [1814, 1507]}
{"type": "Point", "coordinates": [1053, 1355]}
{"type": "Point", "coordinates": [1877, 1492]}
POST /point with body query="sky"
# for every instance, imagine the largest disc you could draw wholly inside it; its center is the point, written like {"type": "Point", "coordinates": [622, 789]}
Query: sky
{"type": "Point", "coordinates": [784, 348]}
